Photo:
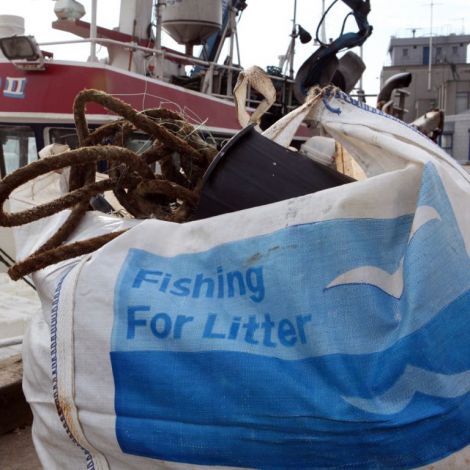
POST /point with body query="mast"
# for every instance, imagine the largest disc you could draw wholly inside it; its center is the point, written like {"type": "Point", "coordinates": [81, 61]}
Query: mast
{"type": "Point", "coordinates": [158, 39]}
{"type": "Point", "coordinates": [93, 33]}
{"type": "Point", "coordinates": [430, 49]}
{"type": "Point", "coordinates": [323, 26]}
{"type": "Point", "coordinates": [361, 55]}
{"type": "Point", "coordinates": [294, 34]}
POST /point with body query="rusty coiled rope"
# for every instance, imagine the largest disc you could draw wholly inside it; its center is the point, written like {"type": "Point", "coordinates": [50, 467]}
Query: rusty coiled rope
{"type": "Point", "coordinates": [170, 196]}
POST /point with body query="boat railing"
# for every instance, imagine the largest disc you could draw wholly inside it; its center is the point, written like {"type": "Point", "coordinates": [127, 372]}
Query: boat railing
{"type": "Point", "coordinates": [8, 342]}
{"type": "Point", "coordinates": [211, 70]}
{"type": "Point", "coordinates": [8, 261]}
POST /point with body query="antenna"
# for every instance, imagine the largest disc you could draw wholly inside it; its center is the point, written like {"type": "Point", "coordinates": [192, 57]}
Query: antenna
{"type": "Point", "coordinates": [462, 20]}
{"type": "Point", "coordinates": [413, 31]}
{"type": "Point", "coordinates": [432, 4]}
{"type": "Point", "coordinates": [430, 49]}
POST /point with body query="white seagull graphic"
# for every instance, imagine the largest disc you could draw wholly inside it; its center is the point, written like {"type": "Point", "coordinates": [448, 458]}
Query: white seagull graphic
{"type": "Point", "coordinates": [391, 283]}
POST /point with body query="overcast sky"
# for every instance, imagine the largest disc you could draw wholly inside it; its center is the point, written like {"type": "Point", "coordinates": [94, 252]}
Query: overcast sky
{"type": "Point", "coordinates": [266, 24]}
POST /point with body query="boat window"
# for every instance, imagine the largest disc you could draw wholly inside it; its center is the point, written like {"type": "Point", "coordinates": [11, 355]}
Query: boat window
{"type": "Point", "coordinates": [138, 143]}
{"type": "Point", "coordinates": [64, 136]}
{"type": "Point", "coordinates": [18, 147]}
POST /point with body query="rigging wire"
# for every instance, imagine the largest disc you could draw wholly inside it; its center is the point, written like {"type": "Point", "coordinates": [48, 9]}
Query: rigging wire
{"type": "Point", "coordinates": [344, 22]}
{"type": "Point", "coordinates": [323, 19]}
{"type": "Point", "coordinates": [317, 37]}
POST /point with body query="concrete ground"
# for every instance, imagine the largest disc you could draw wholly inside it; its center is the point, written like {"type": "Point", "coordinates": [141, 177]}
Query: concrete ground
{"type": "Point", "coordinates": [19, 302]}
{"type": "Point", "coordinates": [16, 447]}
{"type": "Point", "coordinates": [17, 451]}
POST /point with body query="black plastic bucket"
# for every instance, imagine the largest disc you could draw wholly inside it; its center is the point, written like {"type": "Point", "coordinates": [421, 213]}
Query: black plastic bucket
{"type": "Point", "coordinates": [252, 170]}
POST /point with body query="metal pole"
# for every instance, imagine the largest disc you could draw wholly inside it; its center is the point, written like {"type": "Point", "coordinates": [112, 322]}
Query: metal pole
{"type": "Point", "coordinates": [430, 51]}
{"type": "Point", "coordinates": [292, 49]}
{"type": "Point", "coordinates": [233, 26]}
{"type": "Point", "coordinates": [238, 47]}
{"type": "Point", "coordinates": [158, 40]}
{"type": "Point", "coordinates": [323, 26]}
{"type": "Point", "coordinates": [5, 343]}
{"type": "Point", "coordinates": [93, 57]}
{"type": "Point", "coordinates": [361, 81]}
{"type": "Point", "coordinates": [225, 32]}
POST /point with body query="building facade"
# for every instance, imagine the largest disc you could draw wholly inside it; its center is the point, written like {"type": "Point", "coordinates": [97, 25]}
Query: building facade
{"type": "Point", "coordinates": [449, 82]}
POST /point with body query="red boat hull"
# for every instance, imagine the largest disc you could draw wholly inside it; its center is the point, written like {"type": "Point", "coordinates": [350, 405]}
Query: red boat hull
{"type": "Point", "coordinates": [39, 96]}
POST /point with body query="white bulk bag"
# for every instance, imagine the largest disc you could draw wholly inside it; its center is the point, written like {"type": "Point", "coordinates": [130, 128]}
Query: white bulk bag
{"type": "Point", "coordinates": [325, 331]}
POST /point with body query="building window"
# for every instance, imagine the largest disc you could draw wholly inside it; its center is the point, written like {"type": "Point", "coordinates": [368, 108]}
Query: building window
{"type": "Point", "coordinates": [426, 55]}
{"type": "Point", "coordinates": [469, 145]}
{"type": "Point", "coordinates": [447, 142]}
{"type": "Point", "coordinates": [404, 52]}
{"type": "Point", "coordinates": [439, 50]}
{"type": "Point", "coordinates": [455, 50]}
{"type": "Point", "coordinates": [461, 102]}
{"type": "Point", "coordinates": [64, 136]}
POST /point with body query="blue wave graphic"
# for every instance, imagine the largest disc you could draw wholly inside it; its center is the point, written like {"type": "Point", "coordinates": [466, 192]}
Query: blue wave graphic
{"type": "Point", "coordinates": [414, 380]}
{"type": "Point", "coordinates": [390, 283]}
{"type": "Point", "coordinates": [242, 356]}
{"type": "Point", "coordinates": [225, 408]}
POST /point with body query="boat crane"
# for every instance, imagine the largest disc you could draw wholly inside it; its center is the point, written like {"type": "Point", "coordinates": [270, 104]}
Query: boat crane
{"type": "Point", "coordinates": [323, 66]}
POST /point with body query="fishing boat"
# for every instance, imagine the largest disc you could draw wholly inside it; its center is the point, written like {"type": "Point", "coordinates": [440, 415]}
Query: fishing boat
{"type": "Point", "coordinates": [37, 91]}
